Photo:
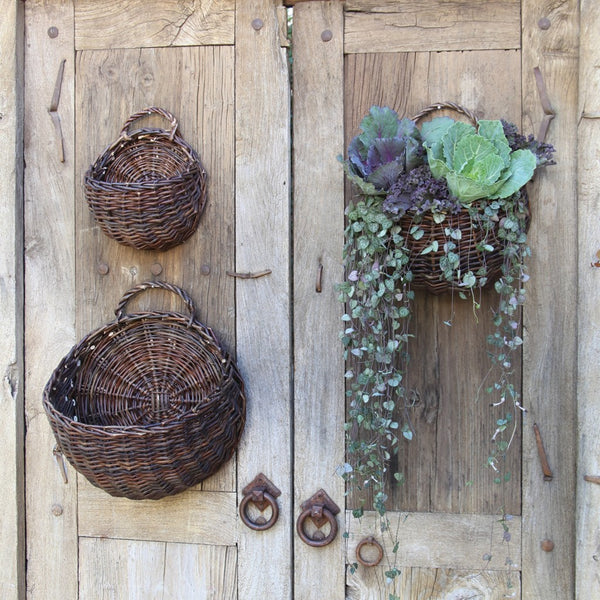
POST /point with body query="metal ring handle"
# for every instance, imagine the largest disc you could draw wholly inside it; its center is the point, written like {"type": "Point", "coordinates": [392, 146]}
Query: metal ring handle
{"type": "Point", "coordinates": [441, 106]}
{"type": "Point", "coordinates": [369, 541]}
{"type": "Point", "coordinates": [310, 541]}
{"type": "Point", "coordinates": [253, 524]}
{"type": "Point", "coordinates": [146, 285]}
{"type": "Point", "coordinates": [149, 111]}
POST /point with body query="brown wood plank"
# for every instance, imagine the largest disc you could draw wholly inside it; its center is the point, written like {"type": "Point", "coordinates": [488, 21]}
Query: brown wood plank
{"type": "Point", "coordinates": [263, 305]}
{"type": "Point", "coordinates": [140, 24]}
{"type": "Point", "coordinates": [433, 584]}
{"type": "Point", "coordinates": [12, 525]}
{"type": "Point", "coordinates": [50, 300]}
{"type": "Point", "coordinates": [444, 463]}
{"type": "Point", "coordinates": [111, 85]}
{"type": "Point", "coordinates": [190, 517]}
{"type": "Point", "coordinates": [431, 25]}
{"type": "Point", "coordinates": [588, 340]}
{"type": "Point", "coordinates": [318, 239]}
{"type": "Point", "coordinates": [550, 317]}
{"type": "Point", "coordinates": [439, 540]}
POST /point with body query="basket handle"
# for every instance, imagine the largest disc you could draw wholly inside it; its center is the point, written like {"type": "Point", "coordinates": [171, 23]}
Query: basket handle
{"type": "Point", "coordinates": [149, 111]}
{"type": "Point", "coordinates": [441, 106]}
{"type": "Point", "coordinates": [146, 285]}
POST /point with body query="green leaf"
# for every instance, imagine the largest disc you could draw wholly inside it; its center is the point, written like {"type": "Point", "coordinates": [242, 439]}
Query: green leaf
{"type": "Point", "coordinates": [520, 171]}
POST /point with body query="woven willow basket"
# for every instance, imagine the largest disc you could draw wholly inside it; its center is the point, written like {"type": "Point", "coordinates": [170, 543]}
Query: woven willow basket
{"type": "Point", "coordinates": [147, 189]}
{"type": "Point", "coordinates": [148, 405]}
{"type": "Point", "coordinates": [426, 267]}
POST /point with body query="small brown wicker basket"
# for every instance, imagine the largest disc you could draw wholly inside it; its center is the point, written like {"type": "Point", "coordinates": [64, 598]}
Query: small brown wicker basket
{"type": "Point", "coordinates": [426, 270]}
{"type": "Point", "coordinates": [148, 188]}
{"type": "Point", "coordinates": [148, 405]}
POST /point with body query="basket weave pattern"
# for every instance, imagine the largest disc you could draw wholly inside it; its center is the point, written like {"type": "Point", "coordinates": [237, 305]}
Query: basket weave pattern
{"type": "Point", "coordinates": [147, 189]}
{"type": "Point", "coordinates": [148, 405]}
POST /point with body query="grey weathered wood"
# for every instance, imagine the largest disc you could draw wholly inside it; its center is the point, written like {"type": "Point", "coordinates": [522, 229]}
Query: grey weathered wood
{"type": "Point", "coordinates": [550, 313]}
{"type": "Point", "coordinates": [50, 299]}
{"type": "Point", "coordinates": [588, 340]}
{"type": "Point", "coordinates": [12, 531]}
{"type": "Point", "coordinates": [262, 116]}
{"type": "Point", "coordinates": [139, 24]}
{"type": "Point", "coordinates": [431, 25]}
{"type": "Point", "coordinates": [318, 239]}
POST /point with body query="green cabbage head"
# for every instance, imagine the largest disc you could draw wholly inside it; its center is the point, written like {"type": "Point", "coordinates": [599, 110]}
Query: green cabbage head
{"type": "Point", "coordinates": [476, 162]}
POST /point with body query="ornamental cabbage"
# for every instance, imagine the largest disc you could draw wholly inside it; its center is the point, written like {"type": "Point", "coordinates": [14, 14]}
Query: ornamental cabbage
{"type": "Point", "coordinates": [476, 162]}
{"type": "Point", "coordinates": [386, 148]}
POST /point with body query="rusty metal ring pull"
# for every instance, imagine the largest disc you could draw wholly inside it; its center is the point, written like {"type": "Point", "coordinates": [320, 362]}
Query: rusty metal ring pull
{"type": "Point", "coordinates": [369, 541]}
{"type": "Point", "coordinates": [321, 509]}
{"type": "Point", "coordinates": [262, 493]}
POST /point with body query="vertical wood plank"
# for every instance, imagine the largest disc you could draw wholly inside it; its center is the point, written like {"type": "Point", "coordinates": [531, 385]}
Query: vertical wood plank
{"type": "Point", "coordinates": [263, 304]}
{"type": "Point", "coordinates": [318, 240]}
{"type": "Point", "coordinates": [588, 339]}
{"type": "Point", "coordinates": [12, 530]}
{"type": "Point", "coordinates": [550, 316]}
{"type": "Point", "coordinates": [51, 504]}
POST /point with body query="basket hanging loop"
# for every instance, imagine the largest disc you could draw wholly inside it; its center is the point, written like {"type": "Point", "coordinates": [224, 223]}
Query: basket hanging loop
{"type": "Point", "coordinates": [441, 106]}
{"type": "Point", "coordinates": [149, 111]}
{"type": "Point", "coordinates": [147, 285]}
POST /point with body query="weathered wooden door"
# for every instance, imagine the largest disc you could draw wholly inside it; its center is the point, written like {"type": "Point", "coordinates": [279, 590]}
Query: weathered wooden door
{"type": "Point", "coordinates": [223, 69]}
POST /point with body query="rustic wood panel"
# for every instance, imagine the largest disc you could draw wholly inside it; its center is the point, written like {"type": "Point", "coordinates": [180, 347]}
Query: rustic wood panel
{"type": "Point", "coordinates": [588, 340]}
{"type": "Point", "coordinates": [434, 584]}
{"type": "Point", "coordinates": [12, 530]}
{"type": "Point", "coordinates": [262, 116]}
{"type": "Point", "coordinates": [550, 360]}
{"type": "Point", "coordinates": [49, 294]}
{"type": "Point", "coordinates": [431, 25]}
{"type": "Point", "coordinates": [112, 570]}
{"type": "Point", "coordinates": [433, 540]}
{"type": "Point", "coordinates": [139, 24]}
{"type": "Point", "coordinates": [444, 463]}
{"type": "Point", "coordinates": [111, 85]}
{"type": "Point", "coordinates": [192, 516]}
{"type": "Point", "coordinates": [318, 239]}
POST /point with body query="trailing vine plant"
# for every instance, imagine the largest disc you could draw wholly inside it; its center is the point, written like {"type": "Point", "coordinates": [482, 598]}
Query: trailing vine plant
{"type": "Point", "coordinates": [465, 181]}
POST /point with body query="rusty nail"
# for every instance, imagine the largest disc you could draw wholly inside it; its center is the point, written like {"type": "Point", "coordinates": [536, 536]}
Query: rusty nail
{"type": "Point", "coordinates": [326, 35]}
{"type": "Point", "coordinates": [318, 285]}
{"type": "Point", "coordinates": [592, 479]}
{"type": "Point", "coordinates": [546, 470]}
{"type": "Point", "coordinates": [257, 24]}
{"type": "Point", "coordinates": [156, 269]}
{"type": "Point", "coordinates": [57, 510]}
{"type": "Point", "coordinates": [255, 275]}
{"type": "Point", "coordinates": [205, 269]}
{"type": "Point", "coordinates": [544, 23]}
{"type": "Point", "coordinates": [547, 545]}
{"type": "Point", "coordinates": [103, 269]}
{"type": "Point", "coordinates": [53, 32]}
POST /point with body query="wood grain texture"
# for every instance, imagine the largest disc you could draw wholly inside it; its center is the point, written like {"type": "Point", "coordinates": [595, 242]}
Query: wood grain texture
{"type": "Point", "coordinates": [139, 24]}
{"type": "Point", "coordinates": [49, 295]}
{"type": "Point", "coordinates": [434, 584]}
{"type": "Point", "coordinates": [112, 85]}
{"type": "Point", "coordinates": [444, 463]}
{"type": "Point", "coordinates": [114, 570]}
{"type": "Point", "coordinates": [318, 239]}
{"type": "Point", "coordinates": [263, 305]}
{"type": "Point", "coordinates": [439, 540]}
{"type": "Point", "coordinates": [550, 316]}
{"type": "Point", "coordinates": [12, 530]}
{"type": "Point", "coordinates": [195, 517]}
{"type": "Point", "coordinates": [431, 25]}
{"type": "Point", "coordinates": [588, 340]}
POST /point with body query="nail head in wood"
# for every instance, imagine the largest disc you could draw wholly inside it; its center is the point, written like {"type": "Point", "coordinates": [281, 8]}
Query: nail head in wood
{"type": "Point", "coordinates": [327, 35]}
{"type": "Point", "coordinates": [52, 32]}
{"type": "Point", "coordinates": [156, 269]}
{"type": "Point", "coordinates": [547, 545]}
{"type": "Point", "coordinates": [103, 269]}
{"type": "Point", "coordinates": [257, 24]}
{"type": "Point", "coordinates": [544, 23]}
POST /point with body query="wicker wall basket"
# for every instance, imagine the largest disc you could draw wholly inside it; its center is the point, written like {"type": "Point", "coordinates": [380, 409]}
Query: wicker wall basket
{"type": "Point", "coordinates": [425, 267]}
{"type": "Point", "coordinates": [147, 189]}
{"type": "Point", "coordinates": [148, 405]}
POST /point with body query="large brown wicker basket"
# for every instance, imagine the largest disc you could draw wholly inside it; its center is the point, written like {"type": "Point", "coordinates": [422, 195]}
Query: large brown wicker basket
{"type": "Point", "coordinates": [426, 270]}
{"type": "Point", "coordinates": [148, 188]}
{"type": "Point", "coordinates": [147, 405]}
